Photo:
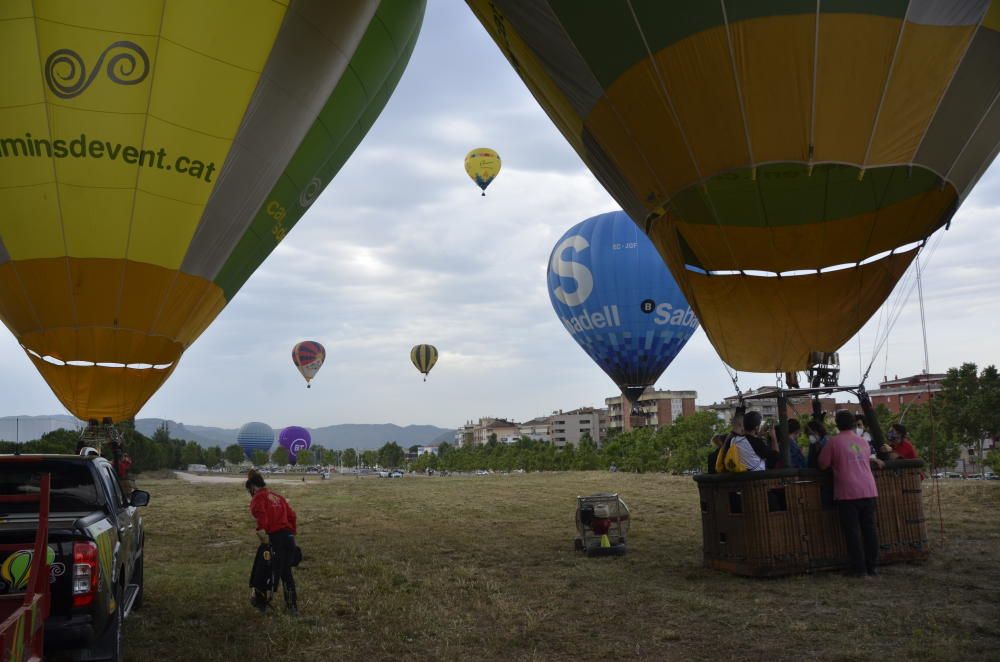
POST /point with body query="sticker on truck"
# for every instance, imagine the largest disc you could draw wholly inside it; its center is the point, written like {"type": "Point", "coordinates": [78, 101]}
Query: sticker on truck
{"type": "Point", "coordinates": [15, 571]}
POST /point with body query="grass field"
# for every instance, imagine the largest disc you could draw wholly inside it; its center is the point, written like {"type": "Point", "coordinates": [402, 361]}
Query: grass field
{"type": "Point", "coordinates": [483, 567]}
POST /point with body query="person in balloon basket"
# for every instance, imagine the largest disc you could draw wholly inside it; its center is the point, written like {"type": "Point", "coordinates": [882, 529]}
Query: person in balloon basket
{"type": "Point", "coordinates": [854, 492]}
{"type": "Point", "coordinates": [902, 447]}
{"type": "Point", "coordinates": [276, 525]}
{"type": "Point", "coordinates": [757, 451]}
{"type": "Point", "coordinates": [816, 432]}
{"type": "Point", "coordinates": [794, 450]}
{"type": "Point", "coordinates": [718, 441]}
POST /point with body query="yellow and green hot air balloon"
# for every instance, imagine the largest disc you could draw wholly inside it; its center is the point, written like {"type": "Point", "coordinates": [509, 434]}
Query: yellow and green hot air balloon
{"type": "Point", "coordinates": [153, 153]}
{"type": "Point", "coordinates": [787, 158]}
{"type": "Point", "coordinates": [424, 357]}
{"type": "Point", "coordinates": [482, 165]}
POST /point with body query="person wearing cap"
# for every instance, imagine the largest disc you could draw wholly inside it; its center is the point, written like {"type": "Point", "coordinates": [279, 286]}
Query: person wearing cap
{"type": "Point", "coordinates": [854, 492]}
{"type": "Point", "coordinates": [276, 525]}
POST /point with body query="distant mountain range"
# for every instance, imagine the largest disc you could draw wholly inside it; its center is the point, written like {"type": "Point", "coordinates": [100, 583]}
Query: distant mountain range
{"type": "Point", "coordinates": [350, 435]}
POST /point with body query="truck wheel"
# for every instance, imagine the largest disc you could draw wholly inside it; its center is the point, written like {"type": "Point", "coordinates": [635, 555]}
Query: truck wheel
{"type": "Point", "coordinates": [112, 644]}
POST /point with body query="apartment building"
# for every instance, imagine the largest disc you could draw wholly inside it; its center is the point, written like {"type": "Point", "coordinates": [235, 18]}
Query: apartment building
{"type": "Point", "coordinates": [568, 428]}
{"type": "Point", "coordinates": [899, 394]}
{"type": "Point", "coordinates": [478, 433]}
{"type": "Point", "coordinates": [768, 407]}
{"type": "Point", "coordinates": [658, 408]}
{"type": "Point", "coordinates": [536, 429]}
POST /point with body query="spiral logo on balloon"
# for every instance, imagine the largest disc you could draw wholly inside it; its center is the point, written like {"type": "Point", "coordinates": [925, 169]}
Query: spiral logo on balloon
{"type": "Point", "coordinates": [311, 192]}
{"type": "Point", "coordinates": [66, 72]}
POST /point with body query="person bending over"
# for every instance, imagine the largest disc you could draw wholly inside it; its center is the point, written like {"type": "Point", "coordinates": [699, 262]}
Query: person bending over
{"type": "Point", "coordinates": [276, 526]}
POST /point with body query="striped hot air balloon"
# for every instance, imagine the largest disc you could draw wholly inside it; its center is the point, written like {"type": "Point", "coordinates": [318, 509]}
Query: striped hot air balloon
{"type": "Point", "coordinates": [424, 357]}
{"type": "Point", "coordinates": [255, 437]}
{"type": "Point", "coordinates": [308, 357]}
{"type": "Point", "coordinates": [786, 158]}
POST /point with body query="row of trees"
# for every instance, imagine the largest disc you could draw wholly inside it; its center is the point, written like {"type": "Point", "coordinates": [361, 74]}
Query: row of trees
{"type": "Point", "coordinates": [963, 414]}
{"type": "Point", "coordinates": [678, 447]}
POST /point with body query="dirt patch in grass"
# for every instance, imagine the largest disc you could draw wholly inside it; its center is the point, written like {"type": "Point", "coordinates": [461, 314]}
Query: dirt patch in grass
{"type": "Point", "coordinates": [483, 567]}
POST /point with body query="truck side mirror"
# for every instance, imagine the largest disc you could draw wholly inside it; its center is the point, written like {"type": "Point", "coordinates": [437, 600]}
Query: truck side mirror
{"type": "Point", "coordinates": [139, 498]}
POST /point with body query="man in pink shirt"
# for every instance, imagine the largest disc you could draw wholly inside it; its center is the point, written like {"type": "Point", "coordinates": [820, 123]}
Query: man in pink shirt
{"type": "Point", "coordinates": [854, 491]}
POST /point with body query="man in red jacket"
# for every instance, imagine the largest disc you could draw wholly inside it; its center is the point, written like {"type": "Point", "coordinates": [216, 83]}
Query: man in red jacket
{"type": "Point", "coordinates": [275, 525]}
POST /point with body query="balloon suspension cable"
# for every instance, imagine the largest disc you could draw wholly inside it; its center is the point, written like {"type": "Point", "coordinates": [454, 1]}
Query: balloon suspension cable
{"type": "Point", "coordinates": [896, 309]}
{"type": "Point", "coordinates": [930, 404]}
{"type": "Point", "coordinates": [734, 377]}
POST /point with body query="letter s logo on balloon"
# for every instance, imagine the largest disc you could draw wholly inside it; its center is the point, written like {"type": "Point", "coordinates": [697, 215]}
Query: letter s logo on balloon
{"type": "Point", "coordinates": [575, 270]}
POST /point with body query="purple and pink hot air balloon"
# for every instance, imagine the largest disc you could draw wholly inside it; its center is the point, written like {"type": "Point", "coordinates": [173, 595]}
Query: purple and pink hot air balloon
{"type": "Point", "coordinates": [294, 439]}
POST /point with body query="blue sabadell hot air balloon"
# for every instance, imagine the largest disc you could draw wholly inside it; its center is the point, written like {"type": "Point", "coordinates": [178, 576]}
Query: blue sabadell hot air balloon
{"type": "Point", "coordinates": [616, 297]}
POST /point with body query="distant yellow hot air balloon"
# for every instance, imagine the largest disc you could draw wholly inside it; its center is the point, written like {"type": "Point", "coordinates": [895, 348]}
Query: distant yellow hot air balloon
{"type": "Point", "coordinates": [482, 164]}
{"type": "Point", "coordinates": [424, 357]}
{"type": "Point", "coordinates": [152, 155]}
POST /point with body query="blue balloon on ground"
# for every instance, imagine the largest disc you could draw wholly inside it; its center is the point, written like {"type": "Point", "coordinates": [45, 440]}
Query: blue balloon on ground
{"type": "Point", "coordinates": [616, 297]}
{"type": "Point", "coordinates": [294, 439]}
{"type": "Point", "coordinates": [255, 437]}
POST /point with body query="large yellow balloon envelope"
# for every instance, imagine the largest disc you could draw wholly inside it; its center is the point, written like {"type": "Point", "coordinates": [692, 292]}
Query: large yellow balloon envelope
{"type": "Point", "coordinates": [786, 158]}
{"type": "Point", "coordinates": [482, 165]}
{"type": "Point", "coordinates": [153, 153]}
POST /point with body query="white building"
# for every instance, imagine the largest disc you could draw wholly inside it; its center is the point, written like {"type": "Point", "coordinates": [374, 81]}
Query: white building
{"type": "Point", "coordinates": [537, 429]}
{"type": "Point", "coordinates": [568, 428]}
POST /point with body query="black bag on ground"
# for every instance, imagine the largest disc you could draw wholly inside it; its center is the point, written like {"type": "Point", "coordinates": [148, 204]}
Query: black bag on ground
{"type": "Point", "coordinates": [261, 588]}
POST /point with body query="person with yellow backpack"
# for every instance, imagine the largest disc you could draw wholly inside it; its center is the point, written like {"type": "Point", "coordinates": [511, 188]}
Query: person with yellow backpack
{"type": "Point", "coordinates": [746, 450]}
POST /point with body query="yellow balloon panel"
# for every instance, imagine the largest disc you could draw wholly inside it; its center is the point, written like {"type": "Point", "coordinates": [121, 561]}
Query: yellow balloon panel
{"type": "Point", "coordinates": [102, 391]}
{"type": "Point", "coordinates": [926, 59]}
{"type": "Point", "coordinates": [22, 80]}
{"type": "Point", "coordinates": [766, 324]}
{"type": "Point", "coordinates": [30, 223]}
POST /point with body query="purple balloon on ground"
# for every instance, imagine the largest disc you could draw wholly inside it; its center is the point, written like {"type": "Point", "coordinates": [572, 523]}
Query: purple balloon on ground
{"type": "Point", "coordinates": [294, 439]}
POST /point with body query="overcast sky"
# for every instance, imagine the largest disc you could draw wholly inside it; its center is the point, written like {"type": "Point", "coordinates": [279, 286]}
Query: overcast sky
{"type": "Point", "coordinates": [401, 249]}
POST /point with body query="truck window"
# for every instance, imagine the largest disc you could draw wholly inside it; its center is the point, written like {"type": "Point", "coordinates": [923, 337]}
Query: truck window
{"type": "Point", "coordinates": [73, 487]}
{"type": "Point", "coordinates": [114, 489]}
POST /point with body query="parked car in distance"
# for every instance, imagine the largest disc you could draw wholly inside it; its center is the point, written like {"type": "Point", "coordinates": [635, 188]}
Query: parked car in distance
{"type": "Point", "coordinates": [395, 473]}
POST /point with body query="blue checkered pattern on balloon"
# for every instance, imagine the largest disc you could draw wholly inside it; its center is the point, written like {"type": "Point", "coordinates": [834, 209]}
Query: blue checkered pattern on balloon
{"type": "Point", "coordinates": [617, 299]}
